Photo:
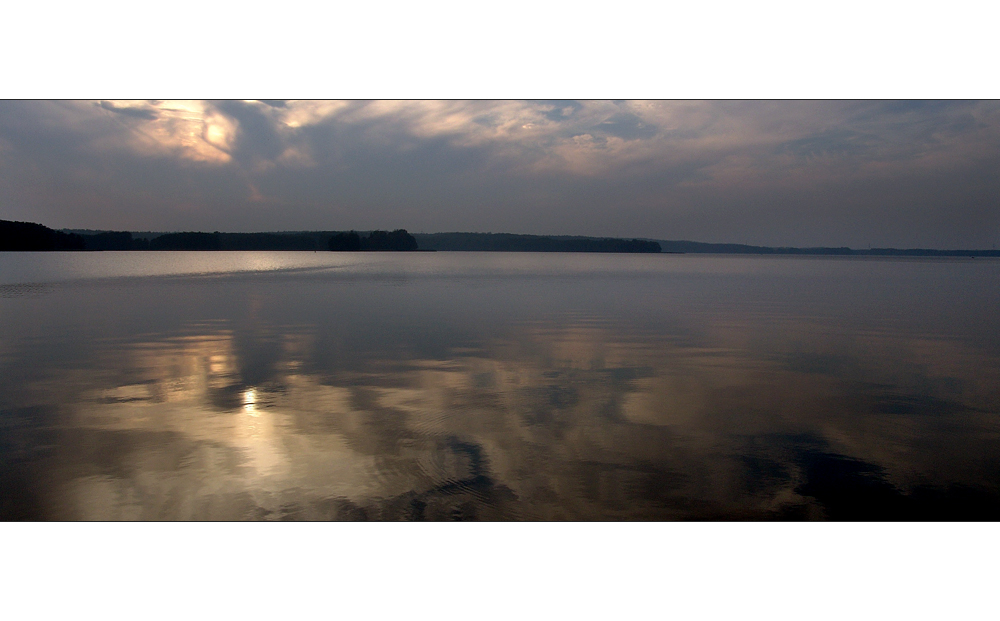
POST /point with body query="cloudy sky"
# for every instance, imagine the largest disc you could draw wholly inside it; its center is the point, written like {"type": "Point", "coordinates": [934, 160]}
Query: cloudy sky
{"type": "Point", "coordinates": [860, 174]}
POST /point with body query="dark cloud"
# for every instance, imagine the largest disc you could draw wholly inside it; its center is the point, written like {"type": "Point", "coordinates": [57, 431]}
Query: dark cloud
{"type": "Point", "coordinates": [256, 137]}
{"type": "Point", "coordinates": [136, 113]}
{"type": "Point", "coordinates": [561, 109]}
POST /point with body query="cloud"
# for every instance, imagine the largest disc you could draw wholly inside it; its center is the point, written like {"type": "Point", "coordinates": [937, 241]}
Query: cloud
{"type": "Point", "coordinates": [761, 170]}
{"type": "Point", "coordinates": [134, 112]}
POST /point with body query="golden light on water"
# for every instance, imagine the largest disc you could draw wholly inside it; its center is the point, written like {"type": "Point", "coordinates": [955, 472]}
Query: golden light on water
{"type": "Point", "coordinates": [250, 402]}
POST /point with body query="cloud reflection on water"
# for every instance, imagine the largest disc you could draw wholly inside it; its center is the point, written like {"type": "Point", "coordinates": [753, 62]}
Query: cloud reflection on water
{"type": "Point", "coordinates": [696, 412]}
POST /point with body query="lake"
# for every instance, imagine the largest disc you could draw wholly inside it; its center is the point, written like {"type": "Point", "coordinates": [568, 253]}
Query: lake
{"type": "Point", "coordinates": [497, 386]}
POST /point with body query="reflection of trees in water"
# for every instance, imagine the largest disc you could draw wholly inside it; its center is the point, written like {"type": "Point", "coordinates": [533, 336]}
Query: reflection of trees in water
{"type": "Point", "coordinates": [552, 422]}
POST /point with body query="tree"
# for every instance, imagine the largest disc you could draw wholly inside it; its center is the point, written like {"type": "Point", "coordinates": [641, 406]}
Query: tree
{"type": "Point", "coordinates": [344, 242]}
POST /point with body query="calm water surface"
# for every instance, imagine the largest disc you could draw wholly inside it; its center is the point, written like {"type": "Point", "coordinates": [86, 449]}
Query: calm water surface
{"type": "Point", "coordinates": [441, 386]}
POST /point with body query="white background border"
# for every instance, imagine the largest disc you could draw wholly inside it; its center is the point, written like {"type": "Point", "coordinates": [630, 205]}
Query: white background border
{"type": "Point", "coordinates": [512, 49]}
{"type": "Point", "coordinates": [516, 49]}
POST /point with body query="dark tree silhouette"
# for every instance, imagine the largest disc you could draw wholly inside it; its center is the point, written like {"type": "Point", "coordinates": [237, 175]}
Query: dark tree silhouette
{"type": "Point", "coordinates": [396, 240]}
{"type": "Point", "coordinates": [112, 240]}
{"type": "Point", "coordinates": [28, 236]}
{"type": "Point", "coordinates": [186, 241]}
{"type": "Point", "coordinates": [345, 242]}
{"type": "Point", "coordinates": [508, 242]}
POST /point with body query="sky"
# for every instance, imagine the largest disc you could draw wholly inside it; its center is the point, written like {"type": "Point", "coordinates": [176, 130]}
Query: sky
{"type": "Point", "coordinates": [778, 173]}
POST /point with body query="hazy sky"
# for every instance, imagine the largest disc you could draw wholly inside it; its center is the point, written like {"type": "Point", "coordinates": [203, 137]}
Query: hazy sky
{"type": "Point", "coordinates": [799, 173]}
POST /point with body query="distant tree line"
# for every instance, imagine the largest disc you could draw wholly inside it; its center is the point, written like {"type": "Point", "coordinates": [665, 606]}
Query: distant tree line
{"type": "Point", "coordinates": [398, 240]}
{"type": "Point", "coordinates": [705, 248]}
{"type": "Point", "coordinates": [233, 241]}
{"type": "Point", "coordinates": [509, 242]}
{"type": "Point", "coordinates": [376, 240]}
{"type": "Point", "coordinates": [115, 240]}
{"type": "Point", "coordinates": [28, 236]}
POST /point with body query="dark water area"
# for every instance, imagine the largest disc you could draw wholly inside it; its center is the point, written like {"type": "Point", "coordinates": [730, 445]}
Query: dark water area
{"type": "Point", "coordinates": [496, 386]}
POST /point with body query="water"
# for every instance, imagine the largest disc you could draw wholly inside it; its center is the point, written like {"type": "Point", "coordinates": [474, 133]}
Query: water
{"type": "Point", "coordinates": [441, 386]}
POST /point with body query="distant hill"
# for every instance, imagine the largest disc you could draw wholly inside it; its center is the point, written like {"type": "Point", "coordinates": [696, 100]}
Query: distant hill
{"type": "Point", "coordinates": [704, 248]}
{"type": "Point", "coordinates": [508, 242]}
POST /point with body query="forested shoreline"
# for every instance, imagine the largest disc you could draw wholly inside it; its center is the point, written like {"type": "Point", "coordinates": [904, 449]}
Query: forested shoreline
{"type": "Point", "coordinates": [29, 236]}
{"type": "Point", "coordinates": [509, 242]}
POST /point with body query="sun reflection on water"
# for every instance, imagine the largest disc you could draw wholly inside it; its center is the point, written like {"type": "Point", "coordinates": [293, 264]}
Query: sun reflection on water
{"type": "Point", "coordinates": [250, 402]}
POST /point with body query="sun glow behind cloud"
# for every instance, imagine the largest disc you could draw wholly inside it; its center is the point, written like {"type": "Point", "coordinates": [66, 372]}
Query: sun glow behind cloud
{"type": "Point", "coordinates": [585, 138]}
{"type": "Point", "coordinates": [555, 137]}
{"type": "Point", "coordinates": [190, 129]}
